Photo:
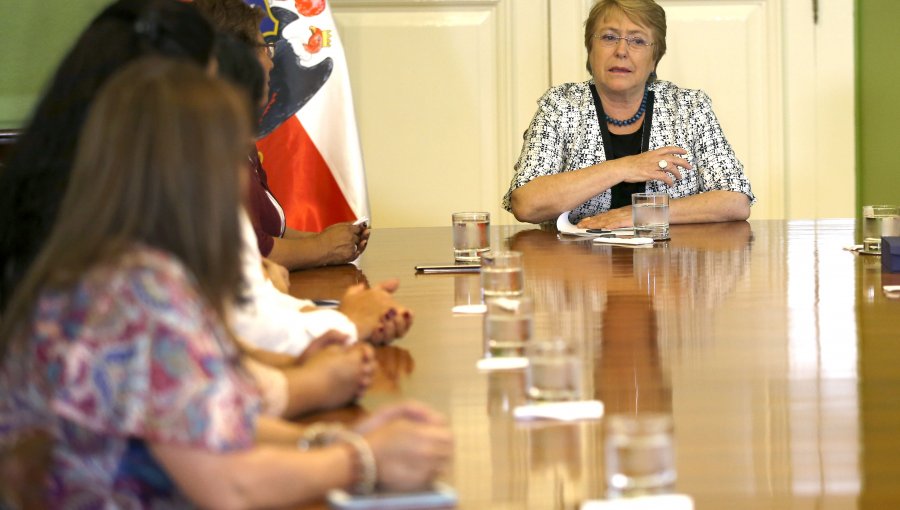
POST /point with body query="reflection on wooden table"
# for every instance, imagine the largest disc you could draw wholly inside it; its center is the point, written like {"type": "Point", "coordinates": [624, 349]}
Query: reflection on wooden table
{"type": "Point", "coordinates": [773, 348]}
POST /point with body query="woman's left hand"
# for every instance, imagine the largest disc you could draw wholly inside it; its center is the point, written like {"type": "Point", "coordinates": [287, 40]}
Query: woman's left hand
{"type": "Point", "coordinates": [616, 218]}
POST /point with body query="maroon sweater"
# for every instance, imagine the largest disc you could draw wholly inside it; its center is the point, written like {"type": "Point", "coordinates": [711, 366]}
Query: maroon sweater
{"type": "Point", "coordinates": [267, 218]}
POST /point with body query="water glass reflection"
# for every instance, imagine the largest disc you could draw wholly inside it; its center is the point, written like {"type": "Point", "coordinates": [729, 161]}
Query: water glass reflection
{"type": "Point", "coordinates": [640, 454]}
{"type": "Point", "coordinates": [508, 326]}
{"type": "Point", "coordinates": [502, 274]}
{"type": "Point", "coordinates": [554, 372]}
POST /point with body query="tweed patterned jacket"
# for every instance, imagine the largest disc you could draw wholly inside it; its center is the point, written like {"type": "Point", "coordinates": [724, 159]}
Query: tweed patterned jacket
{"type": "Point", "coordinates": [565, 135]}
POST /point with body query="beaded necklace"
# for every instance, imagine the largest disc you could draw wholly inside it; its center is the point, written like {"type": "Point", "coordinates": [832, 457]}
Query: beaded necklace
{"type": "Point", "coordinates": [632, 120]}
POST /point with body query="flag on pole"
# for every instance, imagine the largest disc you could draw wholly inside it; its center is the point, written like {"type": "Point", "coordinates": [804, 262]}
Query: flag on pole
{"type": "Point", "coordinates": [310, 143]}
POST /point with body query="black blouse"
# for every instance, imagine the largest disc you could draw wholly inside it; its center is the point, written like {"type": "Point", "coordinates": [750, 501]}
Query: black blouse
{"type": "Point", "coordinates": [625, 145]}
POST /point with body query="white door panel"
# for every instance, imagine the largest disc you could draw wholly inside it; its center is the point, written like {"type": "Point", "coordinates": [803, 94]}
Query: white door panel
{"type": "Point", "coordinates": [439, 89]}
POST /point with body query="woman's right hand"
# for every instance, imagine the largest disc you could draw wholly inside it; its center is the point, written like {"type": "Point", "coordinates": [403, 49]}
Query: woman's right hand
{"type": "Point", "coordinates": [645, 167]}
{"type": "Point", "coordinates": [411, 444]}
{"type": "Point", "coordinates": [378, 317]}
{"type": "Point", "coordinates": [344, 242]}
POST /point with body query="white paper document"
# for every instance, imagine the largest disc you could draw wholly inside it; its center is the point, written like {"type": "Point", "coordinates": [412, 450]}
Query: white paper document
{"type": "Point", "coordinates": [660, 502]}
{"type": "Point", "coordinates": [562, 411]}
{"type": "Point", "coordinates": [632, 241]}
{"type": "Point", "coordinates": [502, 363]}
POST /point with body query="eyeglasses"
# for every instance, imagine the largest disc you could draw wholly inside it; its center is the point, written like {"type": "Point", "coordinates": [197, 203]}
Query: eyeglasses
{"type": "Point", "coordinates": [635, 42]}
{"type": "Point", "coordinates": [270, 48]}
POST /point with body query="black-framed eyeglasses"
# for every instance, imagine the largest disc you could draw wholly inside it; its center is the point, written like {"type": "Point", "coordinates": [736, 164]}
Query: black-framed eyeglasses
{"type": "Point", "coordinates": [270, 48]}
{"type": "Point", "coordinates": [634, 42]}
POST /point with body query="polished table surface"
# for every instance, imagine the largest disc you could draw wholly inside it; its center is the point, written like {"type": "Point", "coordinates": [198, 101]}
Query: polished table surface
{"type": "Point", "coordinates": [773, 348]}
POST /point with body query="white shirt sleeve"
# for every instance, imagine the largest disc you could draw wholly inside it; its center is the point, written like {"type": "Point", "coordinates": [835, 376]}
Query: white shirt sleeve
{"type": "Point", "coordinates": [270, 320]}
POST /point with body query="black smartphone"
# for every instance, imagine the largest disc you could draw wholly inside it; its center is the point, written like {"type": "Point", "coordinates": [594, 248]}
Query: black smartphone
{"type": "Point", "coordinates": [448, 268]}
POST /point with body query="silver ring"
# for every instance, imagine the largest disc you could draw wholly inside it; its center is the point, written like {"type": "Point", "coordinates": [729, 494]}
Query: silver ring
{"type": "Point", "coordinates": [663, 164]}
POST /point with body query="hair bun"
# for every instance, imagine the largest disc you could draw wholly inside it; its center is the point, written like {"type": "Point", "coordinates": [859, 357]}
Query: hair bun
{"type": "Point", "coordinates": [148, 27]}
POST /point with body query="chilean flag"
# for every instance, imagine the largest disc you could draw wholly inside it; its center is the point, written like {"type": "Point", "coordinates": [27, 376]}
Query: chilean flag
{"type": "Point", "coordinates": [310, 144]}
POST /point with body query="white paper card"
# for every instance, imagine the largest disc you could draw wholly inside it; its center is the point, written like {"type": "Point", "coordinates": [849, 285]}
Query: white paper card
{"type": "Point", "coordinates": [488, 364]}
{"type": "Point", "coordinates": [565, 226]}
{"type": "Point", "coordinates": [661, 502]}
{"type": "Point", "coordinates": [563, 411]}
{"type": "Point", "coordinates": [472, 309]}
{"type": "Point", "coordinates": [632, 241]}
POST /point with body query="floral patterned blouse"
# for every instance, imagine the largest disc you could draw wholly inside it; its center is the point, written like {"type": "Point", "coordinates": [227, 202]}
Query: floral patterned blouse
{"type": "Point", "coordinates": [129, 356]}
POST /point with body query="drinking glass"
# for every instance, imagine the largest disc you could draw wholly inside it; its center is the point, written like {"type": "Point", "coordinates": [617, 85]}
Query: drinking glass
{"type": "Point", "coordinates": [640, 454]}
{"type": "Point", "coordinates": [471, 235]}
{"type": "Point", "coordinates": [502, 274]}
{"type": "Point", "coordinates": [650, 214]}
{"type": "Point", "coordinates": [508, 326]}
{"type": "Point", "coordinates": [553, 373]}
{"type": "Point", "coordinates": [879, 220]}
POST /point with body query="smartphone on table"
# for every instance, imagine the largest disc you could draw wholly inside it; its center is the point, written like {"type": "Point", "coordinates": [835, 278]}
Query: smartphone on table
{"type": "Point", "coordinates": [440, 496]}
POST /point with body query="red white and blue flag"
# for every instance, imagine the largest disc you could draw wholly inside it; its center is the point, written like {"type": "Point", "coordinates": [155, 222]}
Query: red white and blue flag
{"type": "Point", "coordinates": [310, 143]}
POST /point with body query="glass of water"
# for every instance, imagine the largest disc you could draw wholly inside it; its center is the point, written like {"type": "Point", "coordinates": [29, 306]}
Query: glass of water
{"type": "Point", "coordinates": [502, 274]}
{"type": "Point", "coordinates": [650, 214]}
{"type": "Point", "coordinates": [553, 373]}
{"type": "Point", "coordinates": [471, 235]}
{"type": "Point", "coordinates": [508, 326]}
{"type": "Point", "coordinates": [879, 220]}
{"type": "Point", "coordinates": [640, 454]}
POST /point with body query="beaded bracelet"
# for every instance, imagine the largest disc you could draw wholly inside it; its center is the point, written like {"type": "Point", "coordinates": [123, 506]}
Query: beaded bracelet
{"type": "Point", "coordinates": [324, 434]}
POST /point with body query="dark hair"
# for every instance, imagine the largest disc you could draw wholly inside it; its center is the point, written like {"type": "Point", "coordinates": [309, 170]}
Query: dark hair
{"type": "Point", "coordinates": [37, 173]}
{"type": "Point", "coordinates": [157, 165]}
{"type": "Point", "coordinates": [238, 64]}
{"type": "Point", "coordinates": [234, 17]}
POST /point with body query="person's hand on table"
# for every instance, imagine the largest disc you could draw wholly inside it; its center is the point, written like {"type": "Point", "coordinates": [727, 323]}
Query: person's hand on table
{"type": "Point", "coordinates": [344, 242]}
{"type": "Point", "coordinates": [348, 371]}
{"type": "Point", "coordinates": [331, 337]}
{"type": "Point", "coordinates": [615, 218]}
{"type": "Point", "coordinates": [378, 317]}
{"type": "Point", "coordinates": [411, 444]}
{"type": "Point", "coordinates": [410, 410]}
{"type": "Point", "coordinates": [277, 274]}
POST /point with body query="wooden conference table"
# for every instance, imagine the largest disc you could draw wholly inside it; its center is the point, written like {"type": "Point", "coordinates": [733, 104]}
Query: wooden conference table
{"type": "Point", "coordinates": [775, 351]}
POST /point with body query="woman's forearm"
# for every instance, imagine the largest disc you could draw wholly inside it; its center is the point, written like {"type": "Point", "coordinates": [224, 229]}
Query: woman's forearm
{"type": "Point", "coordinates": [710, 206]}
{"type": "Point", "coordinates": [261, 477]}
{"type": "Point", "coordinates": [277, 432]}
{"type": "Point", "coordinates": [290, 233]}
{"type": "Point", "coordinates": [548, 196]}
{"type": "Point", "coordinates": [300, 253]}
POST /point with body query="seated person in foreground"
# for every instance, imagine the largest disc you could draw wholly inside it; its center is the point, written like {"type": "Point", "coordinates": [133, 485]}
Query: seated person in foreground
{"type": "Point", "coordinates": [653, 136]}
{"type": "Point", "coordinates": [116, 344]}
{"type": "Point", "coordinates": [339, 243]}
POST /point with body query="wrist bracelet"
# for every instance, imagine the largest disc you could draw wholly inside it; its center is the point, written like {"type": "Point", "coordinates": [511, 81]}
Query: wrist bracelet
{"type": "Point", "coordinates": [322, 434]}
